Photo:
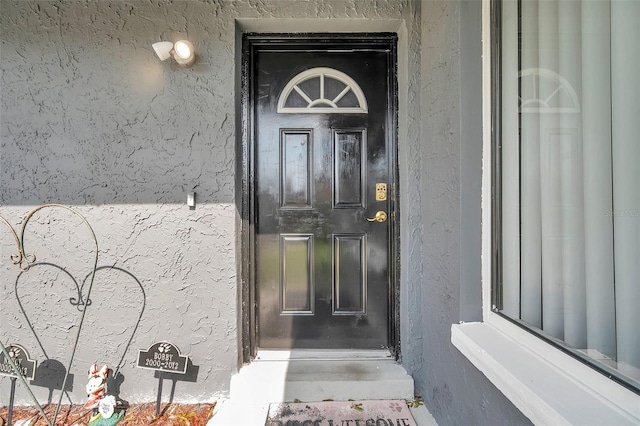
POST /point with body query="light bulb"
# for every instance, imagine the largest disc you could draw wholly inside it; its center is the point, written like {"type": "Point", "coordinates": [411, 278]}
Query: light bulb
{"type": "Point", "coordinates": [183, 49]}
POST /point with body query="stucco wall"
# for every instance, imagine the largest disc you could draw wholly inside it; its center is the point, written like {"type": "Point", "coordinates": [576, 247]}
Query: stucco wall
{"type": "Point", "coordinates": [446, 288]}
{"type": "Point", "coordinates": [92, 119]}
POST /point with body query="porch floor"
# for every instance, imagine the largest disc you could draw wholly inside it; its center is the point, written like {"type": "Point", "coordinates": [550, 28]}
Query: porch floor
{"type": "Point", "coordinates": [263, 382]}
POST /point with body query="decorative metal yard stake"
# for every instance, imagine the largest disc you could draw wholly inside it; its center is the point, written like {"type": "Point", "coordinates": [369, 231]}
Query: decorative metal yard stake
{"type": "Point", "coordinates": [159, 398]}
{"type": "Point", "coordinates": [15, 362]}
{"type": "Point", "coordinates": [24, 261]}
{"type": "Point", "coordinates": [12, 395]}
{"type": "Point", "coordinates": [18, 260]}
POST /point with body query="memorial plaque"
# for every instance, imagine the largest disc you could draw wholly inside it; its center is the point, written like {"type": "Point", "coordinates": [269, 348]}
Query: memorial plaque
{"type": "Point", "coordinates": [163, 356]}
{"type": "Point", "coordinates": [20, 358]}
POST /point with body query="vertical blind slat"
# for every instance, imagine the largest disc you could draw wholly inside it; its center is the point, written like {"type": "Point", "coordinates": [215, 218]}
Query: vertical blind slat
{"type": "Point", "coordinates": [531, 250]}
{"type": "Point", "coordinates": [596, 122]}
{"type": "Point", "coordinates": [510, 161]}
{"type": "Point", "coordinates": [550, 175]}
{"type": "Point", "coordinates": [570, 67]}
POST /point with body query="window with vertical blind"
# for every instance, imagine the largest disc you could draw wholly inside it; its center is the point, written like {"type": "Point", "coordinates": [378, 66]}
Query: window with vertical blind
{"type": "Point", "coordinates": [567, 147]}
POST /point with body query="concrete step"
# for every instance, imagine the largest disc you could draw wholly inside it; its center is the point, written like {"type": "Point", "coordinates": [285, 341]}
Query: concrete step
{"type": "Point", "coordinates": [316, 380]}
{"type": "Point", "coordinates": [263, 382]}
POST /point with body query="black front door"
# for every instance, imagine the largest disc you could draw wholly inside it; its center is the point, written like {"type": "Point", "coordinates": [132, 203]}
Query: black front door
{"type": "Point", "coordinates": [323, 137]}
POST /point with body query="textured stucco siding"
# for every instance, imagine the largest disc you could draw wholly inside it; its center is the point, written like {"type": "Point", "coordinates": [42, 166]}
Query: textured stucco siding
{"type": "Point", "coordinates": [450, 131]}
{"type": "Point", "coordinates": [90, 118]}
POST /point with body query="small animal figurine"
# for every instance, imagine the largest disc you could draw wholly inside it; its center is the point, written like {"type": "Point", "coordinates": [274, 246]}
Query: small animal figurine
{"type": "Point", "coordinates": [107, 410]}
{"type": "Point", "coordinates": [97, 385]}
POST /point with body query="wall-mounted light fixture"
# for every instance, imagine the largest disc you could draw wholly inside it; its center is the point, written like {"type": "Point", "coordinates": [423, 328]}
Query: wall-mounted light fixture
{"type": "Point", "coordinates": [182, 51]}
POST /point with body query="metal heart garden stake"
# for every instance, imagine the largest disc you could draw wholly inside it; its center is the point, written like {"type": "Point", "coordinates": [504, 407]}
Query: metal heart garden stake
{"type": "Point", "coordinates": [24, 261]}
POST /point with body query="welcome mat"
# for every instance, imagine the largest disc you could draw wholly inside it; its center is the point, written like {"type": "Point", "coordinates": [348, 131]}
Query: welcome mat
{"type": "Point", "coordinates": [340, 413]}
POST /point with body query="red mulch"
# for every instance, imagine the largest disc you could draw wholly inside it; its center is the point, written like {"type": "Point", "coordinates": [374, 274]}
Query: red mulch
{"type": "Point", "coordinates": [136, 415]}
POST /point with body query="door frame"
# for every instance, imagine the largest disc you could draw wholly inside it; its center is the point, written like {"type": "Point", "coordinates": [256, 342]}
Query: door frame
{"type": "Point", "coordinates": [245, 172]}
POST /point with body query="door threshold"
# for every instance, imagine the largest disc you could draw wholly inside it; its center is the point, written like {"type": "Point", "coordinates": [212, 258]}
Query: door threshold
{"type": "Point", "coordinates": [324, 354]}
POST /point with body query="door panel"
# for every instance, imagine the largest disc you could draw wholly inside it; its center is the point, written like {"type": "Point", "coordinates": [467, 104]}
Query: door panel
{"type": "Point", "coordinates": [349, 274]}
{"type": "Point", "coordinates": [296, 169]}
{"type": "Point", "coordinates": [296, 270]}
{"type": "Point", "coordinates": [349, 154]}
{"type": "Point", "coordinates": [322, 273]}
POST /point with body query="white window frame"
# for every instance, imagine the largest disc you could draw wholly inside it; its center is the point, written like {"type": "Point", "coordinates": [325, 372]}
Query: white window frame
{"type": "Point", "coordinates": [546, 384]}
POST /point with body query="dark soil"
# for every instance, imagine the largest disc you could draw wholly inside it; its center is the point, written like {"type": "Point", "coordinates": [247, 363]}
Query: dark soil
{"type": "Point", "coordinates": [136, 415]}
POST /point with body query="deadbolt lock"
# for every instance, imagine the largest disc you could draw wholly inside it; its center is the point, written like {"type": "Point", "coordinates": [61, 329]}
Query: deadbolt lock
{"type": "Point", "coordinates": [381, 192]}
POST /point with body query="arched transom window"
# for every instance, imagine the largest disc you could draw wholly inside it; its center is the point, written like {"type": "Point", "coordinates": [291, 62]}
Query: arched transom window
{"type": "Point", "coordinates": [545, 91]}
{"type": "Point", "coordinates": [322, 90]}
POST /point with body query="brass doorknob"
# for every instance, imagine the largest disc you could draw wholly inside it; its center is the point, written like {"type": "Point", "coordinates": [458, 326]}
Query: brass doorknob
{"type": "Point", "coordinates": [379, 217]}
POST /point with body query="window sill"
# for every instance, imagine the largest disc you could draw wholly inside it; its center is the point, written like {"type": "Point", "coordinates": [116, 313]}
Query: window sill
{"type": "Point", "coordinates": [545, 385]}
